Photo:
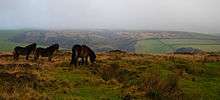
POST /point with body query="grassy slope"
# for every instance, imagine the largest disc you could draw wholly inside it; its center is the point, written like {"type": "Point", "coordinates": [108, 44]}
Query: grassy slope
{"type": "Point", "coordinates": [206, 86]}
{"type": "Point", "coordinates": [83, 84]}
{"type": "Point", "coordinates": [88, 90]}
{"type": "Point", "coordinates": [155, 46]}
{"type": "Point", "coordinates": [151, 46]}
{"type": "Point", "coordinates": [6, 45]}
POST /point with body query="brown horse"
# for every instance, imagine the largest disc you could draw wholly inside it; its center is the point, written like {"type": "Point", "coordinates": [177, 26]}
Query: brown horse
{"type": "Point", "coordinates": [83, 52]}
{"type": "Point", "coordinates": [24, 51]}
{"type": "Point", "coordinates": [46, 52]}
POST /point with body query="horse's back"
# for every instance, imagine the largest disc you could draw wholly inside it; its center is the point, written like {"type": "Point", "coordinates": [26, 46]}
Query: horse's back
{"type": "Point", "coordinates": [40, 49]}
{"type": "Point", "coordinates": [89, 50]}
{"type": "Point", "coordinates": [45, 52]}
{"type": "Point", "coordinates": [76, 46]}
{"type": "Point", "coordinates": [19, 50]}
{"type": "Point", "coordinates": [33, 45]}
{"type": "Point", "coordinates": [53, 47]}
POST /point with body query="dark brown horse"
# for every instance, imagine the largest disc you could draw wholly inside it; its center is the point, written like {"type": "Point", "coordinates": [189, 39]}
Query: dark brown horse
{"type": "Point", "coordinates": [83, 52]}
{"type": "Point", "coordinates": [24, 51]}
{"type": "Point", "coordinates": [46, 52]}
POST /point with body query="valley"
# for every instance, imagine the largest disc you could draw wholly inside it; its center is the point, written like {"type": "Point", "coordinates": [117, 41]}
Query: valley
{"type": "Point", "coordinates": [106, 40]}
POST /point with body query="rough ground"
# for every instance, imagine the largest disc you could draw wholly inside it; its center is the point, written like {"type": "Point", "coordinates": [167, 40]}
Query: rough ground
{"type": "Point", "coordinates": [115, 76]}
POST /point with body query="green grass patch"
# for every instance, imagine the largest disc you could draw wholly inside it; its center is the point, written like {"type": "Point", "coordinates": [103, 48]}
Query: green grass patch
{"type": "Point", "coordinates": [151, 46]}
{"type": "Point", "coordinates": [86, 86]}
{"type": "Point", "coordinates": [206, 86]}
{"type": "Point", "coordinates": [156, 46]}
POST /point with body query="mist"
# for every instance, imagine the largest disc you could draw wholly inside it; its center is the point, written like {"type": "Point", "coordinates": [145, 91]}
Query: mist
{"type": "Point", "coordinates": [174, 15]}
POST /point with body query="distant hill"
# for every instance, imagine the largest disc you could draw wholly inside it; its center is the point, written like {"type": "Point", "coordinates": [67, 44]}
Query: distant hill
{"type": "Point", "coordinates": [99, 40]}
{"type": "Point", "coordinates": [187, 50]}
{"type": "Point", "coordinates": [217, 34]}
{"type": "Point", "coordinates": [134, 41]}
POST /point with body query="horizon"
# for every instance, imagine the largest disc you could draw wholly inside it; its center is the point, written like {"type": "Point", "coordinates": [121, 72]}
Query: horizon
{"type": "Point", "coordinates": [94, 29]}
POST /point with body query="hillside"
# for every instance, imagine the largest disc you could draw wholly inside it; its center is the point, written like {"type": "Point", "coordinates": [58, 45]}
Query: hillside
{"type": "Point", "coordinates": [134, 41]}
{"type": "Point", "coordinates": [106, 40]}
{"type": "Point", "coordinates": [115, 76]}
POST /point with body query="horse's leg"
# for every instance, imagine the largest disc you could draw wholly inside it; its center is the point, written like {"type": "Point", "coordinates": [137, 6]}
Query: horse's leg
{"type": "Point", "coordinates": [86, 60]}
{"type": "Point", "coordinates": [49, 57]}
{"type": "Point", "coordinates": [72, 59]}
{"type": "Point", "coordinates": [82, 61]}
{"type": "Point", "coordinates": [27, 56]}
{"type": "Point", "coordinates": [36, 56]}
{"type": "Point", "coordinates": [17, 56]}
{"type": "Point", "coordinates": [75, 61]}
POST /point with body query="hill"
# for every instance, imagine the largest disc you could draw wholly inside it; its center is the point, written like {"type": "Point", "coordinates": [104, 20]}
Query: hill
{"type": "Point", "coordinates": [106, 40]}
{"type": "Point", "coordinates": [115, 76]}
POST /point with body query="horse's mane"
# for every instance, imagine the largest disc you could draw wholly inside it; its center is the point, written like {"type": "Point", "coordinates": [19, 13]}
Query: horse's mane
{"type": "Point", "coordinates": [33, 45]}
{"type": "Point", "coordinates": [77, 46]}
{"type": "Point", "coordinates": [55, 46]}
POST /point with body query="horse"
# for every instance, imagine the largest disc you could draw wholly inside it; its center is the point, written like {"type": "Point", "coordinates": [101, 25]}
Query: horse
{"type": "Point", "coordinates": [24, 51]}
{"type": "Point", "coordinates": [83, 52]}
{"type": "Point", "coordinates": [46, 52]}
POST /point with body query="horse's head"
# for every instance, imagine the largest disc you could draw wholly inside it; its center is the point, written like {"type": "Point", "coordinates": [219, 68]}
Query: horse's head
{"type": "Point", "coordinates": [92, 56]}
{"type": "Point", "coordinates": [92, 59]}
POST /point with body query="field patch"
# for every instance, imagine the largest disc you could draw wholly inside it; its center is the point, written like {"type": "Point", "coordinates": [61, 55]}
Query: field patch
{"type": "Point", "coordinates": [168, 45]}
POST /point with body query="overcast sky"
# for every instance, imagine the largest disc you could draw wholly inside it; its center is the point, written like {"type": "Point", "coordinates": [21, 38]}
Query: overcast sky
{"type": "Point", "coordinates": [183, 15]}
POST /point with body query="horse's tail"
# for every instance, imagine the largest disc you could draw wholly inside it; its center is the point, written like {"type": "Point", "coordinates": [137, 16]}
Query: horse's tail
{"type": "Point", "coordinates": [36, 54]}
{"type": "Point", "coordinates": [74, 56]}
{"type": "Point", "coordinates": [15, 53]}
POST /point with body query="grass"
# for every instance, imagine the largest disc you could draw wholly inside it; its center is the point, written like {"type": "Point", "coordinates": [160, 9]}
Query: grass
{"type": "Point", "coordinates": [151, 46]}
{"type": "Point", "coordinates": [113, 77]}
{"type": "Point", "coordinates": [84, 85]}
{"type": "Point", "coordinates": [156, 46]}
{"type": "Point", "coordinates": [206, 86]}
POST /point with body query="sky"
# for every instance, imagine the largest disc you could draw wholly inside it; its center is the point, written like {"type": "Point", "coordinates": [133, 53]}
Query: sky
{"type": "Point", "coordinates": [174, 15]}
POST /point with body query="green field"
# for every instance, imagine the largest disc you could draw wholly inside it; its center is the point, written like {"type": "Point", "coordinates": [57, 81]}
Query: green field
{"type": "Point", "coordinates": [5, 44]}
{"type": "Point", "coordinates": [168, 45]}
{"type": "Point", "coordinates": [151, 46]}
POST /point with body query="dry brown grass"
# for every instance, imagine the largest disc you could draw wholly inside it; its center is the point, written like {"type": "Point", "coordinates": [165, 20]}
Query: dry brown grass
{"type": "Point", "coordinates": [137, 76]}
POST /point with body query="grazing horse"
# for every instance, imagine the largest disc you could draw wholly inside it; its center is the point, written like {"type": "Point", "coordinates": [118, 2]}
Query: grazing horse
{"type": "Point", "coordinates": [82, 51]}
{"type": "Point", "coordinates": [46, 52]}
{"type": "Point", "coordinates": [24, 51]}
